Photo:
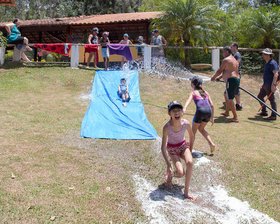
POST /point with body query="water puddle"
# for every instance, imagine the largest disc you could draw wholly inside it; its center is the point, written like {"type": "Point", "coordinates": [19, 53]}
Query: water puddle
{"type": "Point", "coordinates": [213, 204]}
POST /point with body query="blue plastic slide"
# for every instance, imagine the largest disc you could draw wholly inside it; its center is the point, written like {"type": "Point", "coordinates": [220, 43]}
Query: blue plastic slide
{"type": "Point", "coordinates": [106, 117]}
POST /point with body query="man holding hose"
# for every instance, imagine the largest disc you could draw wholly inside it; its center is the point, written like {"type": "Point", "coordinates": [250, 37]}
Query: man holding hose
{"type": "Point", "coordinates": [229, 72]}
{"type": "Point", "coordinates": [270, 76]}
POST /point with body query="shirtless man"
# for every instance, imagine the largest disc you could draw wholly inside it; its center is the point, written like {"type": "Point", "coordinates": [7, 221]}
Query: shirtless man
{"type": "Point", "coordinates": [229, 72]}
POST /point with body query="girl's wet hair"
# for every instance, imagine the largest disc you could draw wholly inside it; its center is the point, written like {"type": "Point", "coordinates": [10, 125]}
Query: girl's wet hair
{"type": "Point", "coordinates": [197, 82]}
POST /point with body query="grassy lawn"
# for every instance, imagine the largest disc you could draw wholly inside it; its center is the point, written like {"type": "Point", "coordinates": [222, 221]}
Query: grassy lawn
{"type": "Point", "coordinates": [50, 174]}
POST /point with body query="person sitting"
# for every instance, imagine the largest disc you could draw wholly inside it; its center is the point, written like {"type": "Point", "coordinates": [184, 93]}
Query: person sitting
{"type": "Point", "coordinates": [14, 37]}
{"type": "Point", "coordinates": [123, 92]}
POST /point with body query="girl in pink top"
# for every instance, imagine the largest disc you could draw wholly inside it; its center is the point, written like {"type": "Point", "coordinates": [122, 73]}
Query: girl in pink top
{"type": "Point", "coordinates": [173, 142]}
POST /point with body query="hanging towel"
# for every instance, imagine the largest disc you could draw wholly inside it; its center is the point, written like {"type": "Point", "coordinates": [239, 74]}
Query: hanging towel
{"type": "Point", "coordinates": [121, 49]}
{"type": "Point", "coordinates": [91, 48]}
{"type": "Point", "coordinates": [60, 48]}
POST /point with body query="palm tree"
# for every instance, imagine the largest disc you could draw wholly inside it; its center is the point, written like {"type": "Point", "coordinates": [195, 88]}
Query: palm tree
{"type": "Point", "coordinates": [261, 27]}
{"type": "Point", "coordinates": [188, 21]}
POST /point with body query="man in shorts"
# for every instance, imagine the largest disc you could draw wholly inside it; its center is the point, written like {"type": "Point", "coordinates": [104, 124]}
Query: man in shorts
{"type": "Point", "coordinates": [229, 72]}
{"type": "Point", "coordinates": [237, 56]}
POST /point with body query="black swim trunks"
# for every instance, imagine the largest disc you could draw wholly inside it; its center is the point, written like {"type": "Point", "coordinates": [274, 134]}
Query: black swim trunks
{"type": "Point", "coordinates": [232, 87]}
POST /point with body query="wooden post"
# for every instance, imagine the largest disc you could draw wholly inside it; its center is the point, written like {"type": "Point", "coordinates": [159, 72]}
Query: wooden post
{"type": "Point", "coordinates": [35, 53]}
{"type": "Point", "coordinates": [40, 40]}
{"type": "Point", "coordinates": [2, 55]}
{"type": "Point", "coordinates": [215, 59]}
{"type": "Point", "coordinates": [147, 57]}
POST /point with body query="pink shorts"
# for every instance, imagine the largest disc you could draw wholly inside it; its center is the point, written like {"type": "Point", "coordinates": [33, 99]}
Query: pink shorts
{"type": "Point", "coordinates": [177, 149]}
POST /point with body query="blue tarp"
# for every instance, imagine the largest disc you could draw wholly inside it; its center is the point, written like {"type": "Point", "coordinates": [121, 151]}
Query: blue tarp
{"type": "Point", "coordinates": [106, 117]}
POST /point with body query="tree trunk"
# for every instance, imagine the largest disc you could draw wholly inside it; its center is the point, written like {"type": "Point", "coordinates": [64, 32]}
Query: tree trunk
{"type": "Point", "coordinates": [123, 6]}
{"type": "Point", "coordinates": [186, 51]}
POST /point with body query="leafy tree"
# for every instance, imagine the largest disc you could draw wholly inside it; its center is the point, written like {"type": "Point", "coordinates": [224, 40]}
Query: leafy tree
{"type": "Point", "coordinates": [40, 9]}
{"type": "Point", "coordinates": [187, 22]}
{"type": "Point", "coordinates": [151, 5]}
{"type": "Point", "coordinates": [260, 28]}
{"type": "Point", "coordinates": [267, 2]}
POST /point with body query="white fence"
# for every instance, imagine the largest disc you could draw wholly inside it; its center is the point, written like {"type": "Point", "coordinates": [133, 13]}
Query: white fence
{"type": "Point", "coordinates": [147, 54]}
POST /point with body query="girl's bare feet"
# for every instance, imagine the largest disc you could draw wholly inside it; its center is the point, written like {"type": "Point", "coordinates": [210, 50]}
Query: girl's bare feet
{"type": "Point", "coordinates": [212, 148]}
{"type": "Point", "coordinates": [188, 196]}
{"type": "Point", "coordinates": [168, 180]}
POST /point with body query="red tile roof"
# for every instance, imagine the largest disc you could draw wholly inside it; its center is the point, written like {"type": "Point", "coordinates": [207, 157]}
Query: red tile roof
{"type": "Point", "coordinates": [8, 2]}
{"type": "Point", "coordinates": [92, 19]}
{"type": "Point", "coordinates": [117, 18]}
{"type": "Point", "coordinates": [46, 22]}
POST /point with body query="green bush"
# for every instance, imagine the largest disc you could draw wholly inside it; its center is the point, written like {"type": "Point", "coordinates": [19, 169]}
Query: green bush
{"type": "Point", "coordinates": [3, 40]}
{"type": "Point", "coordinates": [252, 63]}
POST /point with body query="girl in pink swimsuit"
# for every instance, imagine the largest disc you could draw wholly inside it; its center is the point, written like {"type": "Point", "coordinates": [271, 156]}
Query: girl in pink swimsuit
{"type": "Point", "coordinates": [204, 110]}
{"type": "Point", "coordinates": [174, 142]}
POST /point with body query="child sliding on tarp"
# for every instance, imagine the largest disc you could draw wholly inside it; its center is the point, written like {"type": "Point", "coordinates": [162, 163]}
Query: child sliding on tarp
{"type": "Point", "coordinates": [173, 141]}
{"type": "Point", "coordinates": [123, 92]}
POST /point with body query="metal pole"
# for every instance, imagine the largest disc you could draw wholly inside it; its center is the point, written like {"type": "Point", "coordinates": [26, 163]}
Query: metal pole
{"type": "Point", "coordinates": [246, 91]}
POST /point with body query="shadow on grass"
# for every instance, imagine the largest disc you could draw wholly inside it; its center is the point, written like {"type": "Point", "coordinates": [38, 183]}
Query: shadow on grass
{"type": "Point", "coordinates": [12, 65]}
{"type": "Point", "coordinates": [262, 122]}
{"type": "Point", "coordinates": [16, 64]}
{"type": "Point", "coordinates": [221, 119]}
{"type": "Point", "coordinates": [151, 104]}
{"type": "Point", "coordinates": [208, 154]}
{"type": "Point", "coordinates": [161, 192]}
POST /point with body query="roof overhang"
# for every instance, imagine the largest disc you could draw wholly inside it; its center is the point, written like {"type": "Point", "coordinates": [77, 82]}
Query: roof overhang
{"type": "Point", "coordinates": [8, 2]}
{"type": "Point", "coordinates": [91, 20]}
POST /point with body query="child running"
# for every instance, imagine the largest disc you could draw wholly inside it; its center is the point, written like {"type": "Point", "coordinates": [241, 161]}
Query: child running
{"type": "Point", "coordinates": [204, 110]}
{"type": "Point", "coordinates": [173, 141]}
{"type": "Point", "coordinates": [123, 91]}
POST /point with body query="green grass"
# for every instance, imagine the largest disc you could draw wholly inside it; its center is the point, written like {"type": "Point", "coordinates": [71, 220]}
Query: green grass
{"type": "Point", "coordinates": [59, 174]}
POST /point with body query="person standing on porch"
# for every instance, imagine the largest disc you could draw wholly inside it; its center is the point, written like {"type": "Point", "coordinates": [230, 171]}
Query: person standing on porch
{"type": "Point", "coordinates": [93, 39]}
{"type": "Point", "coordinates": [125, 41]}
{"type": "Point", "coordinates": [104, 41]}
{"type": "Point", "coordinates": [158, 52]}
